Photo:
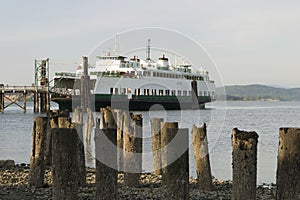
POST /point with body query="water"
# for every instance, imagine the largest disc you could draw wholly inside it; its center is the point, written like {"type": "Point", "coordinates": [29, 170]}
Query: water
{"type": "Point", "coordinates": [263, 117]}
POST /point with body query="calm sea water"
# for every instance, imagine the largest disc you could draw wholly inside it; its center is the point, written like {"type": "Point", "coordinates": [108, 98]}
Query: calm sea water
{"type": "Point", "coordinates": [221, 117]}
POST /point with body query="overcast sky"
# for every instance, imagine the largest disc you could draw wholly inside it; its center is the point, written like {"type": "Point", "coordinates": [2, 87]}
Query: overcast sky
{"type": "Point", "coordinates": [250, 41]}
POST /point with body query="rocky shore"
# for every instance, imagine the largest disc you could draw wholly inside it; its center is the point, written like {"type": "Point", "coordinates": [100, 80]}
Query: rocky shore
{"type": "Point", "coordinates": [14, 185]}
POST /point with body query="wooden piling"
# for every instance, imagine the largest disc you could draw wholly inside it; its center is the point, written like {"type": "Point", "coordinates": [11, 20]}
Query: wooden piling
{"type": "Point", "coordinates": [107, 118]}
{"type": "Point", "coordinates": [195, 95]}
{"type": "Point", "coordinates": [24, 101]}
{"type": "Point", "coordinates": [165, 139]}
{"type": "Point", "coordinates": [1, 102]}
{"type": "Point", "coordinates": [201, 157]}
{"type": "Point", "coordinates": [244, 164]}
{"type": "Point", "coordinates": [156, 144]}
{"type": "Point", "coordinates": [137, 124]}
{"type": "Point", "coordinates": [132, 149]}
{"type": "Point", "coordinates": [65, 163]}
{"type": "Point", "coordinates": [81, 156]}
{"type": "Point", "coordinates": [177, 169]}
{"type": "Point", "coordinates": [106, 160]}
{"type": "Point", "coordinates": [85, 86]}
{"type": "Point", "coordinates": [64, 122]}
{"type": "Point", "coordinates": [43, 102]}
{"type": "Point", "coordinates": [54, 122]}
{"type": "Point", "coordinates": [89, 125]}
{"type": "Point", "coordinates": [119, 120]}
{"type": "Point", "coordinates": [47, 101]}
{"type": "Point", "coordinates": [36, 102]}
{"type": "Point", "coordinates": [37, 164]}
{"type": "Point", "coordinates": [288, 164]}
{"type": "Point", "coordinates": [76, 116]}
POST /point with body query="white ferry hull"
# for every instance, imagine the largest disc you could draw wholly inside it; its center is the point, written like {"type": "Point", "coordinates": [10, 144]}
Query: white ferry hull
{"type": "Point", "coordinates": [143, 94]}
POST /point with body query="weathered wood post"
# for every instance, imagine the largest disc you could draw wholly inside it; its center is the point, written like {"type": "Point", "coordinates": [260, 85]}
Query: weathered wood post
{"type": "Point", "coordinates": [47, 101]}
{"type": "Point", "coordinates": [37, 164]}
{"type": "Point", "coordinates": [76, 115]}
{"type": "Point", "coordinates": [77, 123]}
{"type": "Point", "coordinates": [106, 157]}
{"type": "Point", "coordinates": [156, 144]}
{"type": "Point", "coordinates": [61, 119]}
{"type": "Point", "coordinates": [288, 164]}
{"type": "Point", "coordinates": [80, 148]}
{"type": "Point", "coordinates": [119, 115]}
{"type": "Point", "coordinates": [55, 123]}
{"type": "Point", "coordinates": [1, 101]}
{"type": "Point", "coordinates": [201, 157]}
{"type": "Point", "coordinates": [24, 101]}
{"type": "Point", "coordinates": [132, 137]}
{"type": "Point", "coordinates": [36, 102]}
{"type": "Point", "coordinates": [64, 122]}
{"type": "Point", "coordinates": [85, 86]}
{"type": "Point", "coordinates": [165, 139]}
{"type": "Point", "coordinates": [244, 163]}
{"type": "Point", "coordinates": [88, 133]}
{"type": "Point", "coordinates": [177, 157]}
{"type": "Point", "coordinates": [107, 119]}
{"type": "Point", "coordinates": [89, 125]}
{"type": "Point", "coordinates": [43, 102]}
{"type": "Point", "coordinates": [137, 124]}
{"type": "Point", "coordinates": [65, 163]}
{"type": "Point", "coordinates": [195, 95]}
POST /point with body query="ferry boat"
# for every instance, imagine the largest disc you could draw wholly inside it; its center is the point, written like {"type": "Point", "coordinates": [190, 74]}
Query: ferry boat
{"type": "Point", "coordinates": [136, 84]}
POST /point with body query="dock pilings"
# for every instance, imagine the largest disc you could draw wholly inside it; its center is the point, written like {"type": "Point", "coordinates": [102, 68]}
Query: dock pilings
{"type": "Point", "coordinates": [156, 144]}
{"type": "Point", "coordinates": [1, 102]}
{"type": "Point", "coordinates": [65, 152]}
{"type": "Point", "coordinates": [57, 143]}
{"type": "Point", "coordinates": [37, 164]}
{"type": "Point", "coordinates": [244, 164]}
{"type": "Point", "coordinates": [201, 156]}
{"type": "Point", "coordinates": [288, 164]}
{"type": "Point", "coordinates": [65, 168]}
{"type": "Point", "coordinates": [106, 156]}
{"type": "Point", "coordinates": [132, 144]}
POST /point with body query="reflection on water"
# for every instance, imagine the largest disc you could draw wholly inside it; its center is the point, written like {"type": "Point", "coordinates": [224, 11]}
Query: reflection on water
{"type": "Point", "coordinates": [263, 117]}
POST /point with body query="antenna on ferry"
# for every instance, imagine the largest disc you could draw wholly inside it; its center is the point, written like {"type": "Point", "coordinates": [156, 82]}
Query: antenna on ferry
{"type": "Point", "coordinates": [148, 51]}
{"type": "Point", "coordinates": [116, 44]}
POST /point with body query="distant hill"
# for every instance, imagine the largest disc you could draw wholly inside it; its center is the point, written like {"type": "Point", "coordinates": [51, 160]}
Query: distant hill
{"type": "Point", "coordinates": [259, 92]}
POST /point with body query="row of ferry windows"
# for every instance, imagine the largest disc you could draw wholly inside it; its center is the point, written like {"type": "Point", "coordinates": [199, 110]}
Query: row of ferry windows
{"type": "Point", "coordinates": [158, 92]}
{"type": "Point", "coordinates": [177, 76]}
{"type": "Point", "coordinates": [160, 74]}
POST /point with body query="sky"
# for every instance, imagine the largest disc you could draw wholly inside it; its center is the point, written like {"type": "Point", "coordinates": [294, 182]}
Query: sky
{"type": "Point", "coordinates": [251, 42]}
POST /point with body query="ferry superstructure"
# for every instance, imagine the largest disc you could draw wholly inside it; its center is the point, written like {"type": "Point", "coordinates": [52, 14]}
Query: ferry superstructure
{"type": "Point", "coordinates": [137, 84]}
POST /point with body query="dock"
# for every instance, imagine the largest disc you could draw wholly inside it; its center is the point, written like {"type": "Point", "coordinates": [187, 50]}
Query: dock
{"type": "Point", "coordinates": [40, 93]}
{"type": "Point", "coordinates": [40, 90]}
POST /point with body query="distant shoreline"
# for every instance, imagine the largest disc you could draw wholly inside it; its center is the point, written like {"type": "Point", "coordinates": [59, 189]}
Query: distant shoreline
{"type": "Point", "coordinates": [257, 93]}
